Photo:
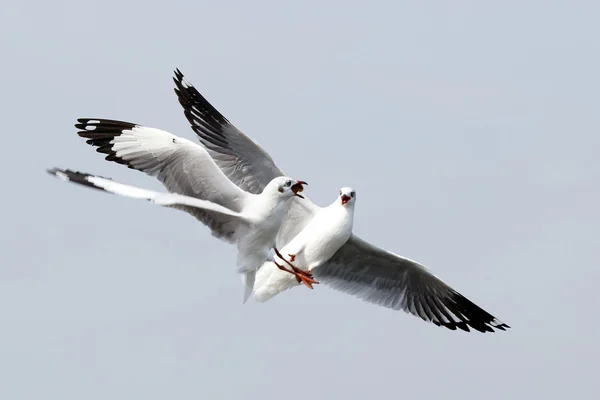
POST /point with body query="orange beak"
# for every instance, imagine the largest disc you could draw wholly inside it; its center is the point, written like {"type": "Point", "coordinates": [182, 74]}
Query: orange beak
{"type": "Point", "coordinates": [297, 188]}
{"type": "Point", "coordinates": [345, 199]}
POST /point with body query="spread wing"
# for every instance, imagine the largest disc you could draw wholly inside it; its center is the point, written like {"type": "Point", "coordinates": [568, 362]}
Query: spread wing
{"type": "Point", "coordinates": [395, 282]}
{"type": "Point", "coordinates": [358, 268]}
{"type": "Point", "coordinates": [173, 200]}
{"type": "Point", "coordinates": [182, 166]}
{"type": "Point", "coordinates": [238, 156]}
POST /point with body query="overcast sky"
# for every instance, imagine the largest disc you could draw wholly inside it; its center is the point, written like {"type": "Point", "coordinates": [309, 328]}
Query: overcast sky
{"type": "Point", "coordinates": [470, 132]}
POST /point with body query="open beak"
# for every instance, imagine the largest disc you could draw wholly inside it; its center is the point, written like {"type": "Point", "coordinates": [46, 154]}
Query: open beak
{"type": "Point", "coordinates": [345, 199]}
{"type": "Point", "coordinates": [297, 188]}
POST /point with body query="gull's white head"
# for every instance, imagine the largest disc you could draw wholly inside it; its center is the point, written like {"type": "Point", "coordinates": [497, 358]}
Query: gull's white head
{"type": "Point", "coordinates": [285, 187]}
{"type": "Point", "coordinates": [347, 196]}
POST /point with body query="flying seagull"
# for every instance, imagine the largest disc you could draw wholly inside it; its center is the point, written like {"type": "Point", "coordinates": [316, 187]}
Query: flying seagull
{"type": "Point", "coordinates": [358, 267]}
{"type": "Point", "coordinates": [249, 220]}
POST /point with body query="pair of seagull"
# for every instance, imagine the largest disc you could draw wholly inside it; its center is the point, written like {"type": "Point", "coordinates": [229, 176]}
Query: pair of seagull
{"type": "Point", "coordinates": [284, 240]}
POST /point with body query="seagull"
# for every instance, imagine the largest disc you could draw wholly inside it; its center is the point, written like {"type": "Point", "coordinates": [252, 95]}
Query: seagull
{"type": "Point", "coordinates": [323, 235]}
{"type": "Point", "coordinates": [249, 220]}
{"type": "Point", "coordinates": [358, 267]}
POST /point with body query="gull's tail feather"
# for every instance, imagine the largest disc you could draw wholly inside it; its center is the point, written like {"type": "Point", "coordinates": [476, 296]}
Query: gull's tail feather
{"type": "Point", "coordinates": [248, 279]}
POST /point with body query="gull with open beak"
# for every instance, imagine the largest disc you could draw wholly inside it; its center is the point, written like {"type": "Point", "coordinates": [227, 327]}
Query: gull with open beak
{"type": "Point", "coordinates": [358, 268]}
{"type": "Point", "coordinates": [196, 185]}
{"type": "Point", "coordinates": [321, 238]}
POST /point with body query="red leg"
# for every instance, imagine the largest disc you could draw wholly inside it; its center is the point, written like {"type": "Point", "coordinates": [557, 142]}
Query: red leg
{"type": "Point", "coordinates": [308, 282]}
{"type": "Point", "coordinates": [288, 262]}
{"type": "Point", "coordinates": [301, 276]}
{"type": "Point", "coordinates": [281, 267]}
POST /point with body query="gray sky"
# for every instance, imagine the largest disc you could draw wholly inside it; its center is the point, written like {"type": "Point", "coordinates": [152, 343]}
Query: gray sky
{"type": "Point", "coordinates": [469, 131]}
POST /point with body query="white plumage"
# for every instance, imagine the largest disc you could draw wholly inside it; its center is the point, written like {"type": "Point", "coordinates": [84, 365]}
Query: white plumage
{"type": "Point", "coordinates": [357, 267]}
{"type": "Point", "coordinates": [322, 236]}
{"type": "Point", "coordinates": [196, 185]}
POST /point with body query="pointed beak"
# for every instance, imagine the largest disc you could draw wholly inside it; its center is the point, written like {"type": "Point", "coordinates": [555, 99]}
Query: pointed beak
{"type": "Point", "coordinates": [297, 188]}
{"type": "Point", "coordinates": [345, 199]}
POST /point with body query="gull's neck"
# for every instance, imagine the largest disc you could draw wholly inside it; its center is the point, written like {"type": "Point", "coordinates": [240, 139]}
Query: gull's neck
{"type": "Point", "coordinates": [270, 200]}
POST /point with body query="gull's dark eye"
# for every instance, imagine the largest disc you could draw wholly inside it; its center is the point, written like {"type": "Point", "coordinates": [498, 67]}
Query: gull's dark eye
{"type": "Point", "coordinates": [288, 183]}
{"type": "Point", "coordinates": [340, 192]}
{"type": "Point", "coordinates": [353, 193]}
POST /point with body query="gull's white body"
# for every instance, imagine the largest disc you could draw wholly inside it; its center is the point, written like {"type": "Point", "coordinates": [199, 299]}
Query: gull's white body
{"type": "Point", "coordinates": [324, 234]}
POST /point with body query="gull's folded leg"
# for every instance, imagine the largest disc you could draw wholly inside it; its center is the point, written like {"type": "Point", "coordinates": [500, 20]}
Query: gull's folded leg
{"type": "Point", "coordinates": [301, 275]}
{"type": "Point", "coordinates": [281, 267]}
{"type": "Point", "coordinates": [283, 258]}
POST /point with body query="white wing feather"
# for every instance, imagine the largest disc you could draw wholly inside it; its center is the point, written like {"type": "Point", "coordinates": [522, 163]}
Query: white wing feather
{"type": "Point", "coordinates": [181, 165]}
{"type": "Point", "coordinates": [161, 199]}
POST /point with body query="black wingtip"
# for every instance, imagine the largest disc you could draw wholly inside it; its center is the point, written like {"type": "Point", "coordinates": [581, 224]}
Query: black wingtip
{"type": "Point", "coordinates": [101, 132]}
{"type": "Point", "coordinates": [208, 123]}
{"type": "Point", "coordinates": [178, 74]}
{"type": "Point", "coordinates": [502, 326]}
{"type": "Point", "coordinates": [178, 80]}
{"type": "Point", "coordinates": [74, 176]}
{"type": "Point", "coordinates": [104, 123]}
{"type": "Point", "coordinates": [52, 171]}
{"type": "Point", "coordinates": [474, 316]}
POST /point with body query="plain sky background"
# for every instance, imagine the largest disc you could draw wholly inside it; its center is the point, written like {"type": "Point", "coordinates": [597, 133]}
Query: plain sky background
{"type": "Point", "coordinates": [470, 132]}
